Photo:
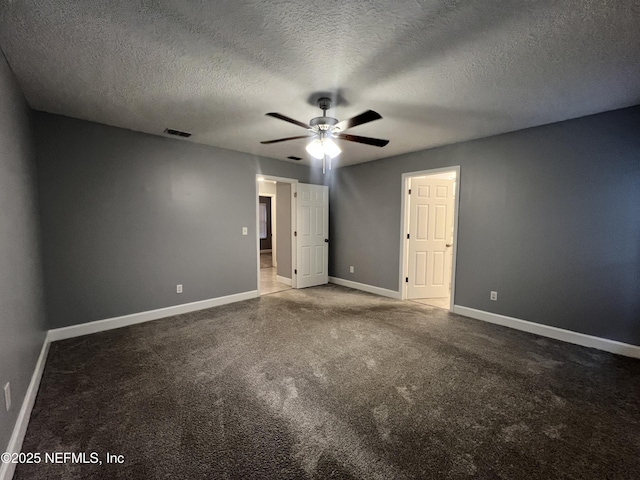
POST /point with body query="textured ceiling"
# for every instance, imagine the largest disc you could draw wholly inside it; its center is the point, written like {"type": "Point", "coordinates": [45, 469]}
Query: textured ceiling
{"type": "Point", "coordinates": [438, 71]}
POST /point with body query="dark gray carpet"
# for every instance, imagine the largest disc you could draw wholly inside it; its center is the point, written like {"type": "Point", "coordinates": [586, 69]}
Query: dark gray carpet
{"type": "Point", "coordinates": [330, 383]}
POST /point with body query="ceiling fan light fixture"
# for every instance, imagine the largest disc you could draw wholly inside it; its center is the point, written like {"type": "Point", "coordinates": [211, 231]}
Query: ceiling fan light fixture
{"type": "Point", "coordinates": [331, 148]}
{"type": "Point", "coordinates": [320, 147]}
{"type": "Point", "coordinates": [315, 149]}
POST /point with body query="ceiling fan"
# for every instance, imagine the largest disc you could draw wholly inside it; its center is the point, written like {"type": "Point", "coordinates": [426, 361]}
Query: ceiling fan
{"type": "Point", "coordinates": [324, 129]}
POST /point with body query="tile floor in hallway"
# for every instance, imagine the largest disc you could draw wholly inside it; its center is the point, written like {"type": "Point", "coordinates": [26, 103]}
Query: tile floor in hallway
{"type": "Point", "coordinates": [268, 280]}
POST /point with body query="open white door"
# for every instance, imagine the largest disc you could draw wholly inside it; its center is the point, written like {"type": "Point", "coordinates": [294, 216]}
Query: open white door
{"type": "Point", "coordinates": [312, 235]}
{"type": "Point", "coordinates": [431, 210]}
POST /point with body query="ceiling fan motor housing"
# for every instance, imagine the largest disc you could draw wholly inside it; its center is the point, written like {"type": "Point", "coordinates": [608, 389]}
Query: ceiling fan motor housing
{"type": "Point", "coordinates": [323, 123]}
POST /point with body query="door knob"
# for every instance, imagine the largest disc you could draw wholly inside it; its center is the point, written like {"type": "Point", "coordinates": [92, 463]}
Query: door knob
{"type": "Point", "coordinates": [449, 245]}
{"type": "Point", "coordinates": [326, 240]}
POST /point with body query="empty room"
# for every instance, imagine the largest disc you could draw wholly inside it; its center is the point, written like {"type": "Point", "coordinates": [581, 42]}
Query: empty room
{"type": "Point", "coordinates": [320, 240]}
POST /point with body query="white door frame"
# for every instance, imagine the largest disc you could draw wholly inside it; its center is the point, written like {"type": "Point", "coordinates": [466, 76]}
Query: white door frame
{"type": "Point", "coordinates": [294, 189]}
{"type": "Point", "coordinates": [404, 223]}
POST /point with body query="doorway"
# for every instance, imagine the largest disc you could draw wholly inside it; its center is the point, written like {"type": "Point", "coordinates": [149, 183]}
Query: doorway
{"type": "Point", "coordinates": [275, 226]}
{"type": "Point", "coordinates": [429, 236]}
{"type": "Point", "coordinates": [266, 227]}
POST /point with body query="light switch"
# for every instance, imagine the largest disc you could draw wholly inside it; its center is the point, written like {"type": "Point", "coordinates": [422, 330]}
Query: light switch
{"type": "Point", "coordinates": [245, 230]}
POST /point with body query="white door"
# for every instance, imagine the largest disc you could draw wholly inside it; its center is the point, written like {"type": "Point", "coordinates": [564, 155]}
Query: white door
{"type": "Point", "coordinates": [431, 205]}
{"type": "Point", "coordinates": [312, 232]}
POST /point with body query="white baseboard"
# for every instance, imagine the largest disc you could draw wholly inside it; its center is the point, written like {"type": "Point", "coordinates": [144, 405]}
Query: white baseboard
{"type": "Point", "coordinates": [605, 344]}
{"type": "Point", "coordinates": [285, 280]}
{"type": "Point", "coordinates": [125, 320]}
{"type": "Point", "coordinates": [20, 429]}
{"type": "Point", "coordinates": [366, 288]}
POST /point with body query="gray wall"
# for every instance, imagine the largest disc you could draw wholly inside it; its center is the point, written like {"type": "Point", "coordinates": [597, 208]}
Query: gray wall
{"type": "Point", "coordinates": [127, 216]}
{"type": "Point", "coordinates": [283, 229]}
{"type": "Point", "coordinates": [21, 307]}
{"type": "Point", "coordinates": [549, 217]}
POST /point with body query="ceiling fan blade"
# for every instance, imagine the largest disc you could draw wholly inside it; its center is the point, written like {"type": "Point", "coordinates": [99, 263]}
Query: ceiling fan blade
{"type": "Point", "coordinates": [267, 142]}
{"type": "Point", "coordinates": [365, 117]}
{"type": "Point", "coordinates": [376, 142]}
{"type": "Point", "coordinates": [287, 119]}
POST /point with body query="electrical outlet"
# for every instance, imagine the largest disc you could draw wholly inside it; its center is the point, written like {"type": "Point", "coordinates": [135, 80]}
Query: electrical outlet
{"type": "Point", "coordinates": [245, 231]}
{"type": "Point", "coordinates": [493, 296]}
{"type": "Point", "coordinates": [7, 395]}
{"type": "Point", "coordinates": [179, 288]}
{"type": "Point", "coordinates": [351, 269]}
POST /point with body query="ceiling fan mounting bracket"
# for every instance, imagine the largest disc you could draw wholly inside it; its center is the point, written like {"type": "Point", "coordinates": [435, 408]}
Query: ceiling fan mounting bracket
{"type": "Point", "coordinates": [324, 103]}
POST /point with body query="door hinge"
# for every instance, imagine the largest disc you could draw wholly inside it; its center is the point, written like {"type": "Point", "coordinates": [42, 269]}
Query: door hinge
{"type": "Point", "coordinates": [295, 271]}
{"type": "Point", "coordinates": [407, 236]}
{"type": "Point", "coordinates": [295, 194]}
{"type": "Point", "coordinates": [295, 234]}
{"type": "Point", "coordinates": [409, 191]}
{"type": "Point", "coordinates": [406, 279]}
